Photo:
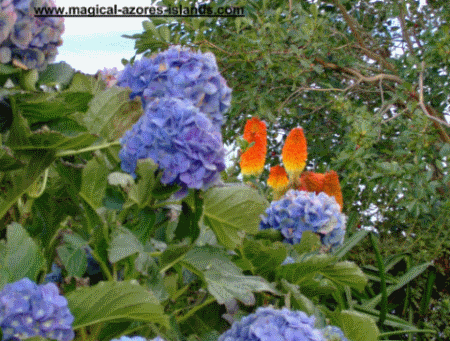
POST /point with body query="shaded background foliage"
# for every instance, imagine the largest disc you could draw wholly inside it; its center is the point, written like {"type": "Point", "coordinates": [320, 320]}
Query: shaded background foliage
{"type": "Point", "coordinates": [368, 82]}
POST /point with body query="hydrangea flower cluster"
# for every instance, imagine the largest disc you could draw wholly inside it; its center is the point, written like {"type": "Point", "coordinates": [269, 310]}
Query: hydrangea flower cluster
{"type": "Point", "coordinates": [28, 309]}
{"type": "Point", "coordinates": [184, 98]}
{"type": "Point", "coordinates": [180, 139]}
{"type": "Point", "coordinates": [274, 324]}
{"type": "Point", "coordinates": [31, 40]}
{"type": "Point", "coordinates": [300, 211]}
{"type": "Point", "coordinates": [180, 73]}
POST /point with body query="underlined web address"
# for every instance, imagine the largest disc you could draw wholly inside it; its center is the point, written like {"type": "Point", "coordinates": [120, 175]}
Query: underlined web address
{"type": "Point", "coordinates": [108, 11]}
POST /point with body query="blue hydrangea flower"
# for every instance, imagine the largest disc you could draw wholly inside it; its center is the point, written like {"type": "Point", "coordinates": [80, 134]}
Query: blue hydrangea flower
{"type": "Point", "coordinates": [180, 139]}
{"type": "Point", "coordinates": [55, 276]}
{"type": "Point", "coordinates": [26, 38]}
{"type": "Point", "coordinates": [180, 73]}
{"type": "Point", "coordinates": [268, 324]}
{"type": "Point", "coordinates": [332, 333]}
{"type": "Point", "coordinates": [28, 309]}
{"type": "Point", "coordinates": [300, 211]}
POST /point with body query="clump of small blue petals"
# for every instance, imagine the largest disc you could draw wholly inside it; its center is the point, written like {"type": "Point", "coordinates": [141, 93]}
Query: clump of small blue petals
{"type": "Point", "coordinates": [332, 333]}
{"type": "Point", "coordinates": [180, 139]}
{"type": "Point", "coordinates": [28, 309]}
{"type": "Point", "coordinates": [300, 211]}
{"type": "Point", "coordinates": [180, 73]}
{"type": "Point", "coordinates": [55, 276]}
{"type": "Point", "coordinates": [268, 324]}
{"type": "Point", "coordinates": [288, 260]}
{"type": "Point", "coordinates": [31, 40]}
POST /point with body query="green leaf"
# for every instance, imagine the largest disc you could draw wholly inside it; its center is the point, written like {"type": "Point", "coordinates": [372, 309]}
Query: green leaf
{"type": "Point", "coordinates": [111, 113]}
{"type": "Point", "coordinates": [141, 191]}
{"type": "Point", "coordinates": [402, 281]}
{"type": "Point", "coordinates": [230, 210]}
{"type": "Point", "coordinates": [298, 300]}
{"type": "Point", "coordinates": [94, 182]}
{"type": "Point", "coordinates": [261, 256]}
{"type": "Point", "coordinates": [310, 242]}
{"type": "Point", "coordinates": [41, 107]}
{"type": "Point", "coordinates": [24, 178]}
{"type": "Point", "coordinates": [74, 260]}
{"type": "Point", "coordinates": [7, 160]}
{"type": "Point", "coordinates": [114, 302]}
{"type": "Point", "coordinates": [123, 245]}
{"type": "Point", "coordinates": [358, 327]}
{"type": "Point", "coordinates": [23, 256]}
{"type": "Point", "coordinates": [341, 273]}
{"type": "Point", "coordinates": [58, 73]}
{"type": "Point", "coordinates": [350, 243]}
{"type": "Point", "coordinates": [224, 279]}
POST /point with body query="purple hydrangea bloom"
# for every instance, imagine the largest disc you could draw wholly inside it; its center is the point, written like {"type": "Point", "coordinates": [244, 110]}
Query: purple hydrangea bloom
{"type": "Point", "coordinates": [332, 333]}
{"type": "Point", "coordinates": [300, 211]}
{"type": "Point", "coordinates": [180, 73]}
{"type": "Point", "coordinates": [26, 38]}
{"type": "Point", "coordinates": [180, 139]}
{"type": "Point", "coordinates": [28, 309]}
{"type": "Point", "coordinates": [268, 324]}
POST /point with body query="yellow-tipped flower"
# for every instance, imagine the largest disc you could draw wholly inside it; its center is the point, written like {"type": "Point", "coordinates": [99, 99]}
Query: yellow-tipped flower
{"type": "Point", "coordinates": [278, 179]}
{"type": "Point", "coordinates": [294, 153]}
{"type": "Point", "coordinates": [254, 158]}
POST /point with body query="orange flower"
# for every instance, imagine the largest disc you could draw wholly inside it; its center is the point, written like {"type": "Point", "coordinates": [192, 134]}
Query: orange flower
{"type": "Point", "coordinates": [327, 183]}
{"type": "Point", "coordinates": [332, 187]}
{"type": "Point", "coordinates": [294, 153]}
{"type": "Point", "coordinates": [278, 179]}
{"type": "Point", "coordinates": [254, 158]}
{"type": "Point", "coordinates": [255, 131]}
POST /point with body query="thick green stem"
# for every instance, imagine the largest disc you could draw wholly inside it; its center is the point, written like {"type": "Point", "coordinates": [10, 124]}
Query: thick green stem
{"type": "Point", "coordinates": [87, 149]}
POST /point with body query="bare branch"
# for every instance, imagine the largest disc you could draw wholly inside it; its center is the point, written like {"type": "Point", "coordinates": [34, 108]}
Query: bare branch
{"type": "Point", "coordinates": [422, 104]}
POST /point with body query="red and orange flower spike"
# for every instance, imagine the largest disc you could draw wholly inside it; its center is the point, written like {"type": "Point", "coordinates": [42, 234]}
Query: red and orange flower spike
{"type": "Point", "coordinates": [331, 186]}
{"type": "Point", "coordinates": [294, 153]}
{"type": "Point", "coordinates": [254, 158]}
{"type": "Point", "coordinates": [278, 181]}
{"type": "Point", "coordinates": [318, 182]}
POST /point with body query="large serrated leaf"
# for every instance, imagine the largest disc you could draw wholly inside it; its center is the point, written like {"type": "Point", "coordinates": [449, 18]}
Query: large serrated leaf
{"type": "Point", "coordinates": [341, 273]}
{"type": "Point", "coordinates": [224, 279]}
{"type": "Point", "coordinates": [111, 113]}
{"type": "Point", "coordinates": [358, 327]}
{"type": "Point", "coordinates": [114, 302]}
{"type": "Point", "coordinates": [230, 210]}
{"type": "Point", "coordinates": [23, 256]}
{"type": "Point", "coordinates": [123, 245]}
{"type": "Point", "coordinates": [262, 256]}
{"type": "Point", "coordinates": [58, 73]}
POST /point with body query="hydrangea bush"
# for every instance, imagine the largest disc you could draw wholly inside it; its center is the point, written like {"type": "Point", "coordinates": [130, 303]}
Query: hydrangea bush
{"type": "Point", "coordinates": [300, 211]}
{"type": "Point", "coordinates": [132, 257]}
{"type": "Point", "coordinates": [28, 309]}
{"type": "Point", "coordinates": [31, 40]}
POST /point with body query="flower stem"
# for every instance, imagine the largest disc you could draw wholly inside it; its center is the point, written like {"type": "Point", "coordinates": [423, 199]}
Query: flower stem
{"type": "Point", "coordinates": [87, 149]}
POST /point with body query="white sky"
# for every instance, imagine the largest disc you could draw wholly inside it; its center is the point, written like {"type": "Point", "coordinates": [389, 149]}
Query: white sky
{"type": "Point", "coordinates": [90, 44]}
